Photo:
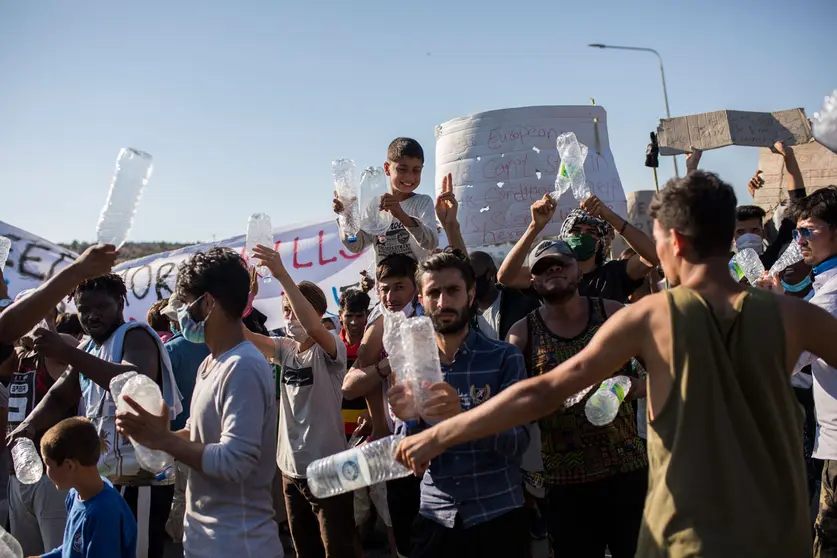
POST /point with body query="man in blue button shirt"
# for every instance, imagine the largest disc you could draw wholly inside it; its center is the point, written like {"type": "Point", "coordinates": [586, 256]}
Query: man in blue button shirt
{"type": "Point", "coordinates": [471, 495]}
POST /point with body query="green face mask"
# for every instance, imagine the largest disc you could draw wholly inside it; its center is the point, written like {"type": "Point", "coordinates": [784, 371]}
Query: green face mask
{"type": "Point", "coordinates": [583, 245]}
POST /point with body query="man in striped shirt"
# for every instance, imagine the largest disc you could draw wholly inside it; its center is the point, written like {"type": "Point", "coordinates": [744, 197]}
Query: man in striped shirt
{"type": "Point", "coordinates": [471, 496]}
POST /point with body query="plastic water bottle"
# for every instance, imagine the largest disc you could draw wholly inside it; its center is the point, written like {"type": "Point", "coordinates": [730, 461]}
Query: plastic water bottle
{"type": "Point", "coordinates": [603, 406]}
{"type": "Point", "coordinates": [571, 172]}
{"type": "Point", "coordinates": [9, 547]}
{"type": "Point", "coordinates": [28, 465]}
{"type": "Point", "coordinates": [5, 248]}
{"type": "Point", "coordinates": [373, 185]}
{"type": "Point", "coordinates": [146, 393]}
{"type": "Point", "coordinates": [750, 265]}
{"type": "Point", "coordinates": [356, 468]}
{"type": "Point", "coordinates": [346, 186]}
{"type": "Point", "coordinates": [413, 354]}
{"type": "Point", "coordinates": [259, 231]}
{"type": "Point", "coordinates": [790, 256]}
{"type": "Point", "coordinates": [825, 123]}
{"type": "Point", "coordinates": [133, 169]}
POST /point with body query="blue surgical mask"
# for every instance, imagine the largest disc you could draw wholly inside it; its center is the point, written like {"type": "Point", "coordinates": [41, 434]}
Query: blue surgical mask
{"type": "Point", "coordinates": [799, 287]}
{"type": "Point", "coordinates": [193, 331]}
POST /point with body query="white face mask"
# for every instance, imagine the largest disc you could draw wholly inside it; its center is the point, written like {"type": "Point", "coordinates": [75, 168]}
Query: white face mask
{"type": "Point", "coordinates": [296, 331]}
{"type": "Point", "coordinates": [750, 240]}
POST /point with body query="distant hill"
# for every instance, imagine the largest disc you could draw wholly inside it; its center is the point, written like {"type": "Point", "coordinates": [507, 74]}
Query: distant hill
{"type": "Point", "coordinates": [132, 250]}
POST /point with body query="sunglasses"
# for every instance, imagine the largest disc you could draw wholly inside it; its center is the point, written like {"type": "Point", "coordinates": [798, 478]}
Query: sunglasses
{"type": "Point", "coordinates": [804, 233]}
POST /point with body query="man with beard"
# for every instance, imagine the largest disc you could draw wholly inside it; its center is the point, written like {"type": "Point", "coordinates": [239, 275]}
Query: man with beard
{"type": "Point", "coordinates": [587, 231]}
{"type": "Point", "coordinates": [459, 517]}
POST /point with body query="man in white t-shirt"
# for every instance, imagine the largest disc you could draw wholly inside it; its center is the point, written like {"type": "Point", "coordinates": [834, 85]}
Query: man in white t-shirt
{"type": "Point", "coordinates": [313, 361]}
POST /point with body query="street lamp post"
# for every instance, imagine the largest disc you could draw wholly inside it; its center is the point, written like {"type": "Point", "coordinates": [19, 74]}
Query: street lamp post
{"type": "Point", "coordinates": [662, 76]}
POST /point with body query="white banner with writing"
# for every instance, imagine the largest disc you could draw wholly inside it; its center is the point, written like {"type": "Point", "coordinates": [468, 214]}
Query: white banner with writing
{"type": "Point", "coordinates": [311, 252]}
{"type": "Point", "coordinates": [32, 259]}
{"type": "Point", "coordinates": [504, 160]}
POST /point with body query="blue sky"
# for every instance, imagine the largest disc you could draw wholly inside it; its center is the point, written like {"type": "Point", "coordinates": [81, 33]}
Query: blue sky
{"type": "Point", "coordinates": [245, 104]}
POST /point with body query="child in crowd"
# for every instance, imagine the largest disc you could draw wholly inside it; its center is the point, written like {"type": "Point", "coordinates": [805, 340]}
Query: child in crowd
{"type": "Point", "coordinates": [413, 230]}
{"type": "Point", "coordinates": [100, 523]}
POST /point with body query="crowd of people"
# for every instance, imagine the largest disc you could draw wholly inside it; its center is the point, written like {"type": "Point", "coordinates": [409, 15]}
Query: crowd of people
{"type": "Point", "coordinates": [724, 446]}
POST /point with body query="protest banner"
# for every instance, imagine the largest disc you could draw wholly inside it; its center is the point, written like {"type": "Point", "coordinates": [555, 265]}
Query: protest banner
{"type": "Point", "coordinates": [638, 203]}
{"type": "Point", "coordinates": [32, 260]}
{"type": "Point", "coordinates": [711, 130]}
{"type": "Point", "coordinates": [818, 166]}
{"type": "Point", "coordinates": [504, 160]}
{"type": "Point", "coordinates": [311, 252]}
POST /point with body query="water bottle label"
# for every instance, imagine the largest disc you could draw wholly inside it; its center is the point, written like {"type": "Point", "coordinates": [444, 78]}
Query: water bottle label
{"type": "Point", "coordinates": [353, 471]}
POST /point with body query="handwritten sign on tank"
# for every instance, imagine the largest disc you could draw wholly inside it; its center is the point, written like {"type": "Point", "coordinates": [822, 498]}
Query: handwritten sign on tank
{"type": "Point", "coordinates": [504, 160]}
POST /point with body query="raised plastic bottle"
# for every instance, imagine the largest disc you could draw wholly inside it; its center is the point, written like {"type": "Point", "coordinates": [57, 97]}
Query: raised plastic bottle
{"type": "Point", "coordinates": [259, 231]}
{"type": "Point", "coordinates": [571, 172]}
{"type": "Point", "coordinates": [346, 186]}
{"type": "Point", "coordinates": [603, 405]}
{"type": "Point", "coordinates": [28, 465]}
{"type": "Point", "coordinates": [133, 169]}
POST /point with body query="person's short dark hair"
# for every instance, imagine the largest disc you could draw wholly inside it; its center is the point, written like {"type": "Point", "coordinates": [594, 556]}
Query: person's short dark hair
{"type": "Point", "coordinates": [155, 318]}
{"type": "Point", "coordinates": [749, 213]}
{"type": "Point", "coordinates": [72, 438]}
{"type": "Point", "coordinates": [700, 207]}
{"type": "Point", "coordinates": [314, 295]}
{"type": "Point", "coordinates": [627, 253]}
{"type": "Point", "coordinates": [450, 258]}
{"type": "Point", "coordinates": [220, 272]}
{"type": "Point", "coordinates": [396, 265]}
{"type": "Point", "coordinates": [109, 283]}
{"type": "Point", "coordinates": [353, 301]}
{"type": "Point", "coordinates": [68, 323]}
{"type": "Point", "coordinates": [821, 204]}
{"type": "Point", "coordinates": [404, 147]}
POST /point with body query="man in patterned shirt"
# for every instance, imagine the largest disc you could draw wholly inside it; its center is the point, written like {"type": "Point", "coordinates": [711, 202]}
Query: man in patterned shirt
{"type": "Point", "coordinates": [471, 496]}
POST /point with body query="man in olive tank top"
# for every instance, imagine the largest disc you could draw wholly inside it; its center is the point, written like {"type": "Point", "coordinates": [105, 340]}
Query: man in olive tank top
{"type": "Point", "coordinates": [727, 477]}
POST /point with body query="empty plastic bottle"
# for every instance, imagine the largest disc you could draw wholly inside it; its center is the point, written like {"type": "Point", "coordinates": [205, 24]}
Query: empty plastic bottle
{"type": "Point", "coordinates": [5, 248]}
{"type": "Point", "coordinates": [571, 172]}
{"type": "Point", "coordinates": [356, 468]}
{"type": "Point", "coordinates": [146, 393]}
{"type": "Point", "coordinates": [346, 186]}
{"type": "Point", "coordinates": [28, 465]}
{"type": "Point", "coordinates": [825, 122]}
{"type": "Point", "coordinates": [373, 185]}
{"type": "Point", "coordinates": [603, 405]}
{"type": "Point", "coordinates": [259, 231]}
{"type": "Point", "coordinates": [9, 547]}
{"type": "Point", "coordinates": [133, 169]}
{"type": "Point", "coordinates": [750, 265]}
{"type": "Point", "coordinates": [790, 256]}
{"type": "Point", "coordinates": [413, 354]}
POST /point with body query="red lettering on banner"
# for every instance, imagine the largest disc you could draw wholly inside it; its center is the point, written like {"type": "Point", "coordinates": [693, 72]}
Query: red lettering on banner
{"type": "Point", "coordinates": [320, 245]}
{"type": "Point", "coordinates": [298, 265]}
{"type": "Point", "coordinates": [350, 256]}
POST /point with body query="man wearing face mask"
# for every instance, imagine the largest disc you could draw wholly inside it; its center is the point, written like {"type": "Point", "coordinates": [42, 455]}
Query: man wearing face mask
{"type": "Point", "coordinates": [749, 219]}
{"type": "Point", "coordinates": [586, 230]}
{"type": "Point", "coordinates": [313, 361]}
{"type": "Point", "coordinates": [229, 439]}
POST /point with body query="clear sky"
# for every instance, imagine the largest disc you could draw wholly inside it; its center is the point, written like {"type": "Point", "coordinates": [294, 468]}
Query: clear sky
{"type": "Point", "coordinates": [245, 104]}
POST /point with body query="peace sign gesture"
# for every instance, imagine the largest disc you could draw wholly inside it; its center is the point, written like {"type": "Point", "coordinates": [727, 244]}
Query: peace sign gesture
{"type": "Point", "coordinates": [446, 203]}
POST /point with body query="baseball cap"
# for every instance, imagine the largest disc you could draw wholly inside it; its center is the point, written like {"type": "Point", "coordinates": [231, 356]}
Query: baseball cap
{"type": "Point", "coordinates": [555, 250]}
{"type": "Point", "coordinates": [170, 310]}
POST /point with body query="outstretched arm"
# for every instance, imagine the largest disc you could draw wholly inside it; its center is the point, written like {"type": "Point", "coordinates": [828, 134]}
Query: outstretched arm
{"type": "Point", "coordinates": [514, 273]}
{"type": "Point", "coordinates": [619, 338]}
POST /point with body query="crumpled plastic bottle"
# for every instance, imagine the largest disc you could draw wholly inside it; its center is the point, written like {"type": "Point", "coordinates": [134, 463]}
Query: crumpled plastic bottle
{"type": "Point", "coordinates": [373, 185]}
{"type": "Point", "coordinates": [571, 172]}
{"type": "Point", "coordinates": [133, 169]}
{"type": "Point", "coordinates": [346, 186]}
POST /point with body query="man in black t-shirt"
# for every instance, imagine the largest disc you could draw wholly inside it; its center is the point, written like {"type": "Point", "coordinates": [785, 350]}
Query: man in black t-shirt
{"type": "Point", "coordinates": [587, 230]}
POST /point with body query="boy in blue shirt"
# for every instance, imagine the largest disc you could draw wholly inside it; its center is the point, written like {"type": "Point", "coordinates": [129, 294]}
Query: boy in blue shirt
{"type": "Point", "coordinates": [99, 523]}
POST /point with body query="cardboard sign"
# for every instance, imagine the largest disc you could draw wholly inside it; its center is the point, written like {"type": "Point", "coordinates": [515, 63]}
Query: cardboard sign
{"type": "Point", "coordinates": [504, 160]}
{"type": "Point", "coordinates": [638, 204]}
{"type": "Point", "coordinates": [711, 130]}
{"type": "Point", "coordinates": [818, 166]}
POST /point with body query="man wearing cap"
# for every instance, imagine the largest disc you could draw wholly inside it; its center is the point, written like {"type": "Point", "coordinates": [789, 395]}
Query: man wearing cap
{"type": "Point", "coordinates": [588, 231]}
{"type": "Point", "coordinates": [595, 476]}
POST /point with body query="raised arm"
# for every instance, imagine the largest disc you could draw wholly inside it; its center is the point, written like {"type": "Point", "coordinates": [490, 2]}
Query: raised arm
{"type": "Point", "coordinates": [447, 208]}
{"type": "Point", "coordinates": [646, 253]}
{"type": "Point", "coordinates": [61, 397]}
{"type": "Point", "coordinates": [514, 272]}
{"type": "Point", "coordinates": [21, 317]}
{"type": "Point", "coordinates": [619, 338]}
{"type": "Point", "coordinates": [304, 312]}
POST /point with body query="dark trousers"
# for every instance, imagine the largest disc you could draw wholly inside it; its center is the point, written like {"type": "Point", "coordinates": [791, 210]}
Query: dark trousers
{"type": "Point", "coordinates": [584, 519]}
{"type": "Point", "coordinates": [403, 500]}
{"type": "Point", "coordinates": [158, 515]}
{"type": "Point", "coordinates": [825, 529]}
{"type": "Point", "coordinates": [320, 528]}
{"type": "Point", "coordinates": [506, 536]}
